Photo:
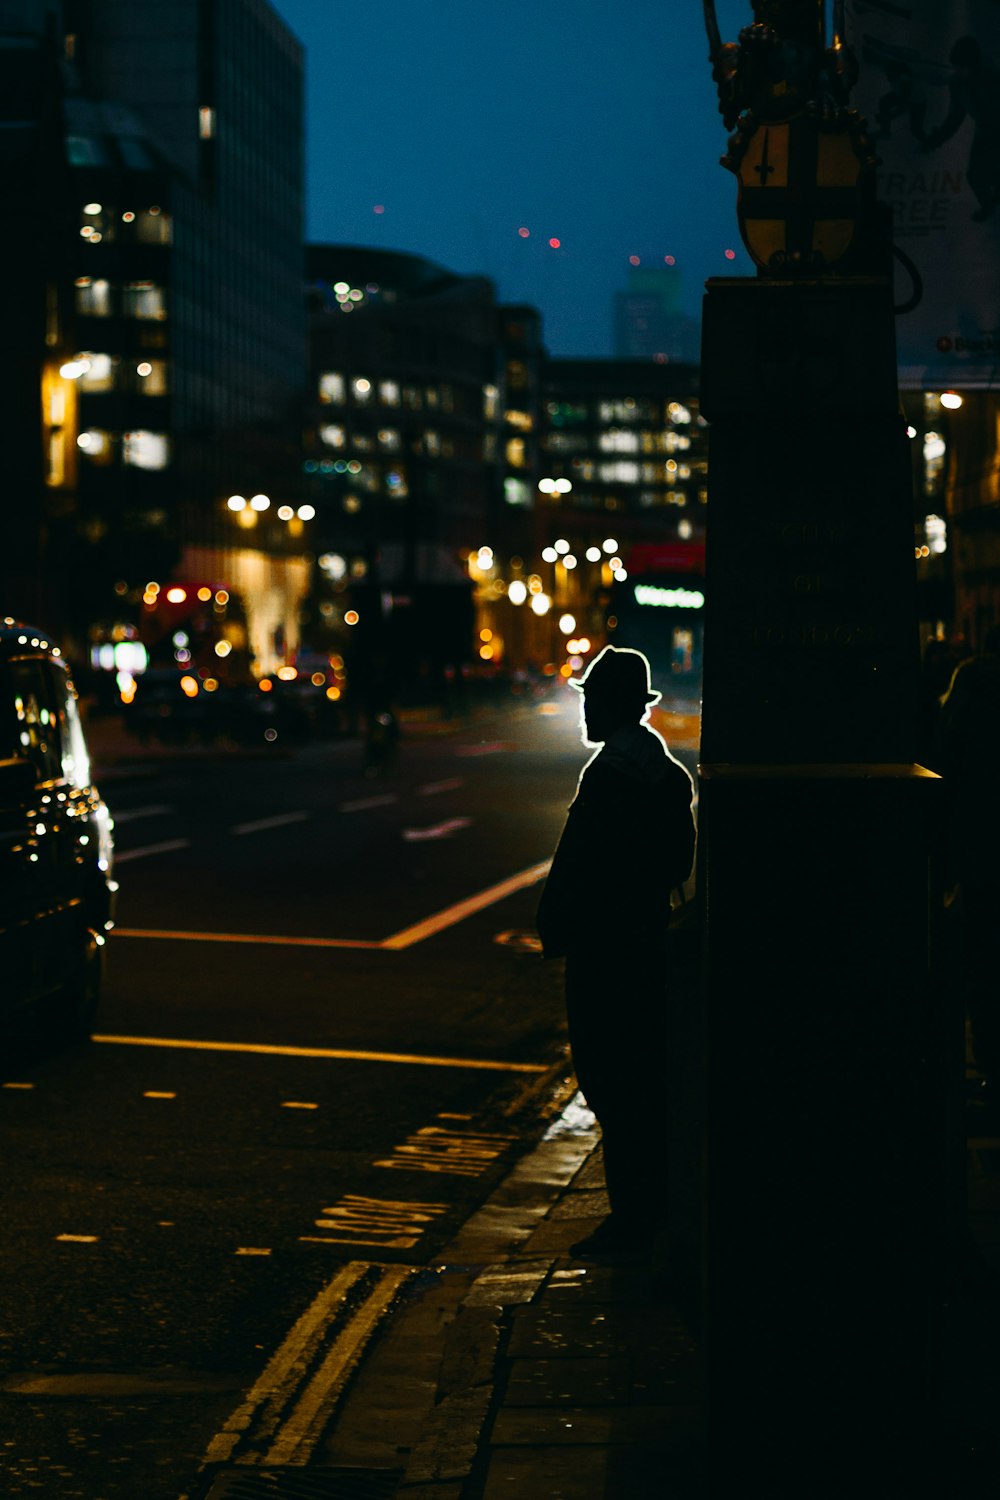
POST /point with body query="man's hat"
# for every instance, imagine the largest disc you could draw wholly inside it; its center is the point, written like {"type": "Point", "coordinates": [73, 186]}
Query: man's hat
{"type": "Point", "coordinates": [618, 674]}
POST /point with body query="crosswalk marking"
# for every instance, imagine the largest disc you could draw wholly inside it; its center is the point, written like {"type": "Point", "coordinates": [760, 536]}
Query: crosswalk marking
{"type": "Point", "coordinates": [123, 855]}
{"type": "Point", "coordinates": [277, 821]}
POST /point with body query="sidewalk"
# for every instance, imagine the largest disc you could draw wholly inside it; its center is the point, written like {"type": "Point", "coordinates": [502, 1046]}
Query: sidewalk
{"type": "Point", "coordinates": [512, 1369]}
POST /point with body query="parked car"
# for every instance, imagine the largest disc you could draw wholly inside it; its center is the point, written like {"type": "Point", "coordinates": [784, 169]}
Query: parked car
{"type": "Point", "coordinates": [56, 849]}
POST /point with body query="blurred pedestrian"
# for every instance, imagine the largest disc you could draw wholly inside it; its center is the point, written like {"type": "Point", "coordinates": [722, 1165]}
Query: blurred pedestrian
{"type": "Point", "coordinates": [627, 845]}
{"type": "Point", "coordinates": [968, 758]}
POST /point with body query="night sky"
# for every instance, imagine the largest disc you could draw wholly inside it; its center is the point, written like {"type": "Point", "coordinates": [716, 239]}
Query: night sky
{"type": "Point", "coordinates": [443, 127]}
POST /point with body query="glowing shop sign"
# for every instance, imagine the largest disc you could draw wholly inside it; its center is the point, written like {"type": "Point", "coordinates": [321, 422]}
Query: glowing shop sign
{"type": "Point", "coordinates": [648, 593]}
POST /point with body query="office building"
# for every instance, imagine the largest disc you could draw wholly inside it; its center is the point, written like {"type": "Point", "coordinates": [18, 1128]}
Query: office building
{"type": "Point", "coordinates": [420, 448]}
{"type": "Point", "coordinates": [175, 340]}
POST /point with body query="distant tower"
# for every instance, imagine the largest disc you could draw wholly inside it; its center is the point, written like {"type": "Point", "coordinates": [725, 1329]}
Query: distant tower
{"type": "Point", "coordinates": [649, 323]}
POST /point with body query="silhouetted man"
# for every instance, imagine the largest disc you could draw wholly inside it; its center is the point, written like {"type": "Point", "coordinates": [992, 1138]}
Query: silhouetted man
{"type": "Point", "coordinates": [628, 843]}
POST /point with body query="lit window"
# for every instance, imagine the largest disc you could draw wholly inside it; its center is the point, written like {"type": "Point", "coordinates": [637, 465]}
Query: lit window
{"type": "Point", "coordinates": [522, 420]}
{"type": "Point", "coordinates": [432, 442]}
{"type": "Point", "coordinates": [86, 151]}
{"type": "Point", "coordinates": [99, 374]}
{"type": "Point", "coordinates": [93, 296]}
{"type": "Point", "coordinates": [206, 122]}
{"type": "Point", "coordinates": [627, 410]}
{"type": "Point", "coordinates": [389, 393]}
{"type": "Point", "coordinates": [152, 375]}
{"type": "Point", "coordinates": [144, 299]}
{"type": "Point", "coordinates": [332, 435]}
{"type": "Point", "coordinates": [617, 441]}
{"type": "Point", "coordinates": [491, 399]}
{"type": "Point", "coordinates": [96, 445]}
{"type": "Point", "coordinates": [146, 450]}
{"type": "Point", "coordinates": [621, 472]}
{"type": "Point", "coordinates": [412, 398]}
{"type": "Point", "coordinates": [389, 438]}
{"type": "Point", "coordinates": [361, 390]}
{"type": "Point", "coordinates": [331, 388]}
{"type": "Point", "coordinates": [516, 491]}
{"type": "Point", "coordinates": [153, 226]}
{"type": "Point", "coordinates": [515, 453]}
{"type": "Point", "coordinates": [936, 532]}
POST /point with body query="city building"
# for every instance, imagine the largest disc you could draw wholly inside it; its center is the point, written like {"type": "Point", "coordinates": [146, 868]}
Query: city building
{"type": "Point", "coordinates": [649, 322]}
{"type": "Point", "coordinates": [621, 504]}
{"type": "Point", "coordinates": [419, 453]}
{"type": "Point", "coordinates": [174, 349]}
{"type": "Point", "coordinates": [955, 440]}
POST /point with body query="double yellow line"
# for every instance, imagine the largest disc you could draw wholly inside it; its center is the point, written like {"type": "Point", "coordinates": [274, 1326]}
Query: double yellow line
{"type": "Point", "coordinates": [288, 1407]}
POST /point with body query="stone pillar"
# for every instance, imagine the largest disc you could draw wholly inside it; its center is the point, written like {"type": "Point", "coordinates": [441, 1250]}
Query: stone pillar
{"type": "Point", "coordinates": [833, 1187]}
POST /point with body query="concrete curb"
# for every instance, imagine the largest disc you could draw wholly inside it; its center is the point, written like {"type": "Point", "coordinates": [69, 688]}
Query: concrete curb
{"type": "Point", "coordinates": [433, 1367]}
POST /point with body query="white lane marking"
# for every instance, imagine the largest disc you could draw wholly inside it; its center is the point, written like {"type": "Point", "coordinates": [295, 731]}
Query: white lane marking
{"type": "Point", "coordinates": [462, 909]}
{"type": "Point", "coordinates": [304, 1426]}
{"type": "Point", "coordinates": [434, 787]}
{"type": "Point", "coordinates": [274, 822]}
{"type": "Point", "coordinates": [122, 855]}
{"type": "Point", "coordinates": [128, 814]}
{"type": "Point", "coordinates": [485, 748]}
{"type": "Point", "coordinates": [365, 802]}
{"type": "Point", "coordinates": [277, 1382]}
{"type": "Point", "coordinates": [342, 1054]}
{"type": "Point", "coordinates": [245, 937]}
{"type": "Point", "coordinates": [437, 830]}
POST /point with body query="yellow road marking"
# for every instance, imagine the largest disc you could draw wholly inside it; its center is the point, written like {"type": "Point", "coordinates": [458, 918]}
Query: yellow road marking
{"type": "Point", "coordinates": [462, 909]}
{"type": "Point", "coordinates": [343, 1054]}
{"type": "Point", "coordinates": [402, 939]}
{"type": "Point", "coordinates": [244, 937]}
{"type": "Point", "coordinates": [285, 1369]}
{"type": "Point", "coordinates": [299, 1435]}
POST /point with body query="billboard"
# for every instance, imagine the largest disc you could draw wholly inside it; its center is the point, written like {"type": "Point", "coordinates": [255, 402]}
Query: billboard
{"type": "Point", "coordinates": [930, 91]}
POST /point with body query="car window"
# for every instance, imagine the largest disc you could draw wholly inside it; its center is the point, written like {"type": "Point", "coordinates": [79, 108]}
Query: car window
{"type": "Point", "coordinates": [73, 746]}
{"type": "Point", "coordinates": [36, 716]}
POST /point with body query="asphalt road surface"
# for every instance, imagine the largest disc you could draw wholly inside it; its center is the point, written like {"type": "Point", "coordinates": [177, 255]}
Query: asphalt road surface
{"type": "Point", "coordinates": [324, 1037]}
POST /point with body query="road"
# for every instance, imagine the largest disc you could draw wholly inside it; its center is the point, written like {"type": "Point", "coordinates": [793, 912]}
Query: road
{"type": "Point", "coordinates": [313, 1054]}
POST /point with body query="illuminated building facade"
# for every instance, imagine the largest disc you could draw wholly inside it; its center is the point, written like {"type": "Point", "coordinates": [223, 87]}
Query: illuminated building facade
{"type": "Point", "coordinates": [621, 491]}
{"type": "Point", "coordinates": [624, 461]}
{"type": "Point", "coordinates": [175, 343]}
{"type": "Point", "coordinates": [419, 448]}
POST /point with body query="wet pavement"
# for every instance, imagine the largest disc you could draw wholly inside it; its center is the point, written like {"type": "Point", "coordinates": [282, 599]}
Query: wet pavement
{"type": "Point", "coordinates": [519, 1370]}
{"type": "Point", "coordinates": [509, 1368]}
